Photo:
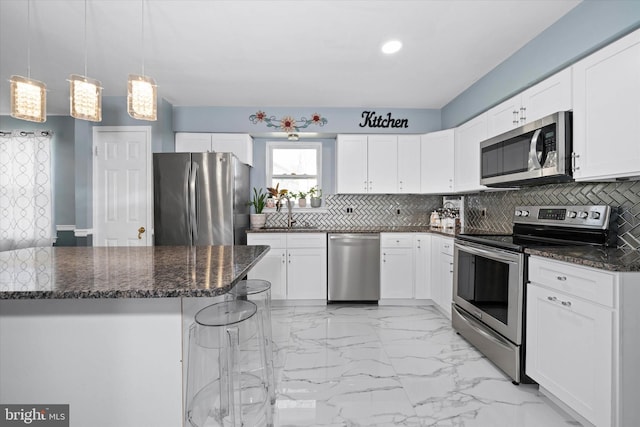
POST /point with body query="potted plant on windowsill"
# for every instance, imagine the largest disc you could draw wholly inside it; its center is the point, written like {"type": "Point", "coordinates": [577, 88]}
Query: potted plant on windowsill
{"type": "Point", "coordinates": [258, 219]}
{"type": "Point", "coordinates": [316, 197]}
{"type": "Point", "coordinates": [302, 199]}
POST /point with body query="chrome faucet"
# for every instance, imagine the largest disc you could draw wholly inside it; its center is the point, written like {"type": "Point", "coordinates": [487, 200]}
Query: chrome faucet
{"type": "Point", "coordinates": [290, 220]}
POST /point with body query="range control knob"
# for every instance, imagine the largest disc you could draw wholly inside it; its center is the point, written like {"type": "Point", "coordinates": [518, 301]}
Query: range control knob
{"type": "Point", "coordinates": [595, 215]}
{"type": "Point", "coordinates": [518, 213]}
{"type": "Point", "coordinates": [525, 213]}
{"type": "Point", "coordinates": [583, 215]}
{"type": "Point", "coordinates": [571, 214]}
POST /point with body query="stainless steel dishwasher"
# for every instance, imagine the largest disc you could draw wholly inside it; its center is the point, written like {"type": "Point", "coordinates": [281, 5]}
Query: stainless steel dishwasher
{"type": "Point", "coordinates": [354, 267]}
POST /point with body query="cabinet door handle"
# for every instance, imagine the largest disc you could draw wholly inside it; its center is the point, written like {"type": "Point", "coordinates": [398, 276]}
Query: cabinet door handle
{"type": "Point", "coordinates": [289, 258]}
{"type": "Point", "coordinates": [566, 303]}
{"type": "Point", "coordinates": [562, 278]}
{"type": "Point", "coordinates": [552, 299]}
{"type": "Point", "coordinates": [574, 156]}
{"type": "Point", "coordinates": [419, 244]}
{"type": "Point", "coordinates": [523, 114]}
{"type": "Point", "coordinates": [283, 258]}
{"type": "Point", "coordinates": [515, 117]}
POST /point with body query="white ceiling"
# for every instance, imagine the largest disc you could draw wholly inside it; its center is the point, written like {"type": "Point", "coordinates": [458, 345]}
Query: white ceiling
{"type": "Point", "coordinates": [295, 53]}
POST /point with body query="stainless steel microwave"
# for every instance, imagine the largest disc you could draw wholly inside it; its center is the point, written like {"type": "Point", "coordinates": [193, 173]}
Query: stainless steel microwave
{"type": "Point", "coordinates": [536, 153]}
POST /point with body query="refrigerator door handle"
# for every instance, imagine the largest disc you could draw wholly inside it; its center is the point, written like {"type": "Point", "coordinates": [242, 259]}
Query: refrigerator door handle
{"type": "Point", "coordinates": [187, 180]}
{"type": "Point", "coordinates": [193, 218]}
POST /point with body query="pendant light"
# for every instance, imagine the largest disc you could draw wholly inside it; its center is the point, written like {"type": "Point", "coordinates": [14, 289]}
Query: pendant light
{"type": "Point", "coordinates": [28, 97]}
{"type": "Point", "coordinates": [142, 91]}
{"type": "Point", "coordinates": [85, 94]}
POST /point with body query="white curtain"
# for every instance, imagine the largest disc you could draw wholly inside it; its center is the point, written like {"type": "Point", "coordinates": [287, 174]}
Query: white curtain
{"type": "Point", "coordinates": [25, 190]}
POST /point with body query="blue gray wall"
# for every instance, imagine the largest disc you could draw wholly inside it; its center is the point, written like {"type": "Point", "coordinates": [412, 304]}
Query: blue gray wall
{"type": "Point", "coordinates": [339, 120]}
{"type": "Point", "coordinates": [587, 27]}
{"type": "Point", "coordinates": [72, 160]}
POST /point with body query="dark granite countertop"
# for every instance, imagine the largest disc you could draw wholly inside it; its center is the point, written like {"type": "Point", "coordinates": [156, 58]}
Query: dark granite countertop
{"type": "Point", "coordinates": [365, 229]}
{"type": "Point", "coordinates": [610, 259]}
{"type": "Point", "coordinates": [124, 272]}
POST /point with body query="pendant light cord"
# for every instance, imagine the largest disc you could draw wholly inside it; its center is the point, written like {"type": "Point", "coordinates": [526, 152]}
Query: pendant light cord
{"type": "Point", "coordinates": [29, 39]}
{"type": "Point", "coordinates": [142, 43]}
{"type": "Point", "coordinates": [85, 38]}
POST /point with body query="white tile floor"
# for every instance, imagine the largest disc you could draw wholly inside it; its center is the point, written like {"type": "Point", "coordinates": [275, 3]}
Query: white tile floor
{"type": "Point", "coordinates": [343, 365]}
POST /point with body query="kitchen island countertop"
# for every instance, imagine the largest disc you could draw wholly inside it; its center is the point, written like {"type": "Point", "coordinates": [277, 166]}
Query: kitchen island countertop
{"type": "Point", "coordinates": [124, 272]}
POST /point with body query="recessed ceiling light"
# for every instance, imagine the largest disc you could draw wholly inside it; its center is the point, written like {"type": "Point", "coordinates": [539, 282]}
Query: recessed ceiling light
{"type": "Point", "coordinates": [391, 46]}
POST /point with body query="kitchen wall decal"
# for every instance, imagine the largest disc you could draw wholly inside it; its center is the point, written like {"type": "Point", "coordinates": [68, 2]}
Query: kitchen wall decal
{"type": "Point", "coordinates": [287, 123]}
{"type": "Point", "coordinates": [371, 120]}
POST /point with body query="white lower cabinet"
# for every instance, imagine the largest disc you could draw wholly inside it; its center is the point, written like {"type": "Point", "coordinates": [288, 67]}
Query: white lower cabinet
{"type": "Point", "coordinates": [273, 266]}
{"type": "Point", "coordinates": [296, 265]}
{"type": "Point", "coordinates": [579, 346]}
{"type": "Point", "coordinates": [442, 272]}
{"type": "Point", "coordinates": [396, 266]}
{"type": "Point", "coordinates": [422, 265]}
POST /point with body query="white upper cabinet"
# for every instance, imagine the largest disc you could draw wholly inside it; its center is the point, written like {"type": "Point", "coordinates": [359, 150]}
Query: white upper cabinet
{"type": "Point", "coordinates": [237, 143]}
{"type": "Point", "coordinates": [382, 163]}
{"type": "Point", "coordinates": [193, 142]}
{"type": "Point", "coordinates": [436, 162]}
{"type": "Point", "coordinates": [369, 164]}
{"type": "Point", "coordinates": [467, 154]}
{"type": "Point", "coordinates": [547, 97]}
{"type": "Point", "coordinates": [351, 164]}
{"type": "Point", "coordinates": [409, 163]}
{"type": "Point", "coordinates": [606, 107]}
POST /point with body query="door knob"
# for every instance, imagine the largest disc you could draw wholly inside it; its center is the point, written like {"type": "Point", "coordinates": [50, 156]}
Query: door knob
{"type": "Point", "coordinates": [140, 231]}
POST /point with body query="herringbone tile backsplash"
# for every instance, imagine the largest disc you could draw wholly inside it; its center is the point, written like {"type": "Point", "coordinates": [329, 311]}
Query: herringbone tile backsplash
{"type": "Point", "coordinates": [367, 210]}
{"type": "Point", "coordinates": [500, 205]}
{"type": "Point", "coordinates": [414, 210]}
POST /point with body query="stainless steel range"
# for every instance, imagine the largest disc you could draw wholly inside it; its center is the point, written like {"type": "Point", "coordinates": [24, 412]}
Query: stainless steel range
{"type": "Point", "coordinates": [491, 272]}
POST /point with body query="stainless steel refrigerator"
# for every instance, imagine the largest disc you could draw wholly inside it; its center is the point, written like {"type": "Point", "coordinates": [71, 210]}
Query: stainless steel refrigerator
{"type": "Point", "coordinates": [200, 199]}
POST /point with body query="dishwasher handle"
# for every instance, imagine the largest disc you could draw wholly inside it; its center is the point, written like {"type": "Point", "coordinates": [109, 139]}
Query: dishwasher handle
{"type": "Point", "coordinates": [359, 236]}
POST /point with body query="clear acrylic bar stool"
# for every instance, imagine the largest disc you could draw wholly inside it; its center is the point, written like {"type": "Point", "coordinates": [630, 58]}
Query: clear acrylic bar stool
{"type": "Point", "coordinates": [227, 376]}
{"type": "Point", "coordinates": [259, 292]}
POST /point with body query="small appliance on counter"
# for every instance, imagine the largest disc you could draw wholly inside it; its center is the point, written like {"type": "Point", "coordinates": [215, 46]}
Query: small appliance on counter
{"type": "Point", "coordinates": [490, 272]}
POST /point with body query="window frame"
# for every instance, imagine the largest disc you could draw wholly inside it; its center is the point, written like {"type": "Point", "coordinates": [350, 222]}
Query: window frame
{"type": "Point", "coordinates": [271, 145]}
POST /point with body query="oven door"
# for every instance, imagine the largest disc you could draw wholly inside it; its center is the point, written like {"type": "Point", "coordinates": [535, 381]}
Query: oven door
{"type": "Point", "coordinates": [488, 283]}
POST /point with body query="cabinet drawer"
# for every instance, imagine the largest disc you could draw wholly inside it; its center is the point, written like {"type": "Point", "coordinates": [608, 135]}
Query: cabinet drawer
{"type": "Point", "coordinates": [446, 245]}
{"type": "Point", "coordinates": [306, 240]}
{"type": "Point", "coordinates": [584, 282]}
{"type": "Point", "coordinates": [275, 240]}
{"type": "Point", "coordinates": [396, 240]}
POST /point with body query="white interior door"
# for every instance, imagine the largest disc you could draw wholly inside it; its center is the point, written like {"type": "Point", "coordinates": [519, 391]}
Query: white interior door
{"type": "Point", "coordinates": [122, 191]}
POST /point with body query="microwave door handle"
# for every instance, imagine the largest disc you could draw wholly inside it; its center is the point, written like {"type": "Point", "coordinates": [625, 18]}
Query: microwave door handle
{"type": "Point", "coordinates": [535, 157]}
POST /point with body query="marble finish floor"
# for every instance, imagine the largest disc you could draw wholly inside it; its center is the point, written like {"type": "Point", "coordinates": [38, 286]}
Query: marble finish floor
{"type": "Point", "coordinates": [341, 365]}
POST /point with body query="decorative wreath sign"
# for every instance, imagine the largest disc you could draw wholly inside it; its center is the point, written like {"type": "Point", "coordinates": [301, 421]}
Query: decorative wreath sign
{"type": "Point", "coordinates": [287, 123]}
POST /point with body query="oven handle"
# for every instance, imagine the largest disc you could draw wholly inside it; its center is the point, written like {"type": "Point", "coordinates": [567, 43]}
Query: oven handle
{"type": "Point", "coordinates": [493, 253]}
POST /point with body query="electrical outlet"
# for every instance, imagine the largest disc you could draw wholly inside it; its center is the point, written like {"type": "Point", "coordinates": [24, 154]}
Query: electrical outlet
{"type": "Point", "coordinates": [397, 211]}
{"type": "Point", "coordinates": [349, 210]}
{"type": "Point", "coordinates": [483, 212]}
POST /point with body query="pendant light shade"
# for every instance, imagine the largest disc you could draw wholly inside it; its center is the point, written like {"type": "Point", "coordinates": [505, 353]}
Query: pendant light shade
{"type": "Point", "coordinates": [85, 98]}
{"type": "Point", "coordinates": [28, 99]}
{"type": "Point", "coordinates": [142, 97]}
{"type": "Point", "coordinates": [85, 94]}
